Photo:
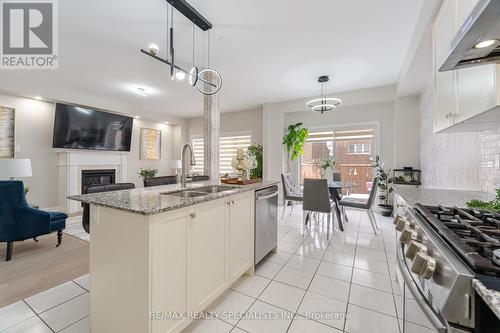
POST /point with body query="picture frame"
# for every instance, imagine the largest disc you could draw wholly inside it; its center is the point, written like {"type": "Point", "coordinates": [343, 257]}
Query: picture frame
{"type": "Point", "coordinates": [150, 144]}
{"type": "Point", "coordinates": [7, 132]}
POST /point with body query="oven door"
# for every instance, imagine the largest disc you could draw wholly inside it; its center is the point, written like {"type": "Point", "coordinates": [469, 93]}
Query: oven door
{"type": "Point", "coordinates": [416, 314]}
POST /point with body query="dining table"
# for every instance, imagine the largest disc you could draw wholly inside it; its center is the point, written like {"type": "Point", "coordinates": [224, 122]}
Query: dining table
{"type": "Point", "coordinates": [335, 188]}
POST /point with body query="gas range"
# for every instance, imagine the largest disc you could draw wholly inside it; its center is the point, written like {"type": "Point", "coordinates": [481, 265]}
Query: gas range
{"type": "Point", "coordinates": [441, 251]}
{"type": "Point", "coordinates": [474, 235]}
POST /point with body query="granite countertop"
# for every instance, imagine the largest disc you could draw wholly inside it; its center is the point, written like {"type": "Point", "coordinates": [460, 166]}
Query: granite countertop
{"type": "Point", "coordinates": [448, 198]}
{"type": "Point", "coordinates": [490, 297]}
{"type": "Point", "coordinates": [149, 200]}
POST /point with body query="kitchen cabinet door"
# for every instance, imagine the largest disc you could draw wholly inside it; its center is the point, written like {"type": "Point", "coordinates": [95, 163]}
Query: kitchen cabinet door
{"type": "Point", "coordinates": [168, 268]}
{"type": "Point", "coordinates": [241, 229]}
{"type": "Point", "coordinates": [444, 31]}
{"type": "Point", "coordinates": [206, 254]}
{"type": "Point", "coordinates": [476, 91]}
{"type": "Point", "coordinates": [445, 90]}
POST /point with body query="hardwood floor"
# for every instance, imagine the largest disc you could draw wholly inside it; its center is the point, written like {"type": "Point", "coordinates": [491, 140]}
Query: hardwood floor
{"type": "Point", "coordinates": [38, 266]}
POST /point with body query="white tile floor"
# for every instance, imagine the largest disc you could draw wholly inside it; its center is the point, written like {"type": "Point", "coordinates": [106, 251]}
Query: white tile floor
{"type": "Point", "coordinates": [310, 285]}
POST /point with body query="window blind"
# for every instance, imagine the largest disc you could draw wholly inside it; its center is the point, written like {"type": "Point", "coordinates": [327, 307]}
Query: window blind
{"type": "Point", "coordinates": [228, 144]}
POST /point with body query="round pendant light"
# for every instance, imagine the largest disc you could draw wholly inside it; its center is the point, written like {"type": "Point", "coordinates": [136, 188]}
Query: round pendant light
{"type": "Point", "coordinates": [323, 103]}
{"type": "Point", "coordinates": [209, 81]}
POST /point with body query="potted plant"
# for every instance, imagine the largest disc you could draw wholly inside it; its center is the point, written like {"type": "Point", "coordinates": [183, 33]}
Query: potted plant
{"type": "Point", "coordinates": [294, 140]}
{"type": "Point", "coordinates": [325, 164]}
{"type": "Point", "coordinates": [385, 187]}
{"type": "Point", "coordinates": [148, 173]}
{"type": "Point", "coordinates": [256, 150]}
{"type": "Point", "coordinates": [493, 206]}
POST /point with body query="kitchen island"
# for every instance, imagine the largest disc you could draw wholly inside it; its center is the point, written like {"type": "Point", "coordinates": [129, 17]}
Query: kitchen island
{"type": "Point", "coordinates": [161, 255]}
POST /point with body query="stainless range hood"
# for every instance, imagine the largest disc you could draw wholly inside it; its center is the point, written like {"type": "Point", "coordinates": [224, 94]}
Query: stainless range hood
{"type": "Point", "coordinates": [483, 24]}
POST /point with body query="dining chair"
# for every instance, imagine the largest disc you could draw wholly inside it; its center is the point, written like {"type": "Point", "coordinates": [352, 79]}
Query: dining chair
{"type": "Point", "coordinates": [316, 200]}
{"type": "Point", "coordinates": [199, 178]}
{"type": "Point", "coordinates": [363, 205]}
{"type": "Point", "coordinates": [290, 192]}
{"type": "Point", "coordinates": [91, 189]}
{"type": "Point", "coordinates": [337, 177]}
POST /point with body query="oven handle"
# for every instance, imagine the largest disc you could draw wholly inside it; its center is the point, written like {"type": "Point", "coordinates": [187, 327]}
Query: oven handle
{"type": "Point", "coordinates": [417, 295]}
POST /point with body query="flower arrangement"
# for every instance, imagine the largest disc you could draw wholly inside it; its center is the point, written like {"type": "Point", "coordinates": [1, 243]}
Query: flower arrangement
{"type": "Point", "coordinates": [243, 163]}
{"type": "Point", "coordinates": [326, 163]}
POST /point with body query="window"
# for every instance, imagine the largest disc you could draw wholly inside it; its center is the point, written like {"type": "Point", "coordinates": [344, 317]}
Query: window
{"type": "Point", "coordinates": [198, 150]}
{"type": "Point", "coordinates": [359, 148]}
{"type": "Point", "coordinates": [351, 150]}
{"type": "Point", "coordinates": [228, 144]}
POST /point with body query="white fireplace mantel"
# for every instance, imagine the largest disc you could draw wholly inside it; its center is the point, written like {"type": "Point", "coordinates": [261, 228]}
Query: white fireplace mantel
{"type": "Point", "coordinates": [71, 164]}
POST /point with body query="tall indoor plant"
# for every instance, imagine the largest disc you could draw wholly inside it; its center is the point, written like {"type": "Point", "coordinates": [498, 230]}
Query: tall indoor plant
{"type": "Point", "coordinates": [385, 187]}
{"type": "Point", "coordinates": [294, 140]}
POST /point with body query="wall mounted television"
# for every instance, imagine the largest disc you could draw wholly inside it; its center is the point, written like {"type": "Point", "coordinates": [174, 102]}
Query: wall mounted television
{"type": "Point", "coordinates": [77, 127]}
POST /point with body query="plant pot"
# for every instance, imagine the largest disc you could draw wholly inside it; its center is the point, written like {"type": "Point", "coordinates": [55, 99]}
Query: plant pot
{"type": "Point", "coordinates": [385, 210]}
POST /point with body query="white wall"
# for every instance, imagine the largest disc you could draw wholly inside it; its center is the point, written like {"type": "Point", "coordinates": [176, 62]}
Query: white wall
{"type": "Point", "coordinates": [33, 132]}
{"type": "Point", "coordinates": [243, 121]}
{"type": "Point", "coordinates": [34, 126]}
{"type": "Point", "coordinates": [374, 105]}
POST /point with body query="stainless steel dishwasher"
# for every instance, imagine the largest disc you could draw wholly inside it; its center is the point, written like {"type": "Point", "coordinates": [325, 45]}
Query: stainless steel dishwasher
{"type": "Point", "coordinates": [266, 221]}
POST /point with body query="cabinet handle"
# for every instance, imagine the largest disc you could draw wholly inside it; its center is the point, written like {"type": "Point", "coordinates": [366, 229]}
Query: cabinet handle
{"type": "Point", "coordinates": [228, 203]}
{"type": "Point", "coordinates": [192, 216]}
{"type": "Point", "coordinates": [232, 202]}
{"type": "Point", "coordinates": [451, 115]}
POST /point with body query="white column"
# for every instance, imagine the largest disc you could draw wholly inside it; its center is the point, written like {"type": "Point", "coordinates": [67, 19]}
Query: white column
{"type": "Point", "coordinates": [211, 117]}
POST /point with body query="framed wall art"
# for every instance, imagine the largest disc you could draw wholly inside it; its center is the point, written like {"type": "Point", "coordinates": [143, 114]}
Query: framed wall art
{"type": "Point", "coordinates": [7, 132]}
{"type": "Point", "coordinates": [150, 144]}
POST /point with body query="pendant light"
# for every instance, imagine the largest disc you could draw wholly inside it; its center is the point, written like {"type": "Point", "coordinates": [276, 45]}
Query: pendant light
{"type": "Point", "coordinates": [323, 103]}
{"type": "Point", "coordinates": [208, 81]}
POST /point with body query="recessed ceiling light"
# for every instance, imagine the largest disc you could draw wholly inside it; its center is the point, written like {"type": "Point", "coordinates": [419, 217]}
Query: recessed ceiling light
{"type": "Point", "coordinates": [153, 49]}
{"type": "Point", "coordinates": [180, 75]}
{"type": "Point", "coordinates": [141, 92]}
{"type": "Point", "coordinates": [166, 122]}
{"type": "Point", "coordinates": [39, 98]}
{"type": "Point", "coordinates": [486, 43]}
{"type": "Point", "coordinates": [137, 117]}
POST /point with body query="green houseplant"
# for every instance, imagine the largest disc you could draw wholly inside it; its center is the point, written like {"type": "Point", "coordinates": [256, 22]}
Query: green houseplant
{"type": "Point", "coordinates": [256, 150]}
{"type": "Point", "coordinates": [487, 205]}
{"type": "Point", "coordinates": [294, 140]}
{"type": "Point", "coordinates": [148, 173]}
{"type": "Point", "coordinates": [385, 187]}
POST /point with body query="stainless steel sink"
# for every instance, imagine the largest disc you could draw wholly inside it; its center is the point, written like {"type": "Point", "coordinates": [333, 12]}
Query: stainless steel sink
{"type": "Point", "coordinates": [185, 194]}
{"type": "Point", "coordinates": [213, 189]}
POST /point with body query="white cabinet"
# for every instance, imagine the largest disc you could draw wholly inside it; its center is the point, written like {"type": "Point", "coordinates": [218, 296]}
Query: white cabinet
{"type": "Point", "coordinates": [461, 95]}
{"type": "Point", "coordinates": [206, 255]}
{"type": "Point", "coordinates": [445, 98]}
{"type": "Point", "coordinates": [158, 268]}
{"type": "Point", "coordinates": [168, 268]}
{"type": "Point", "coordinates": [241, 236]}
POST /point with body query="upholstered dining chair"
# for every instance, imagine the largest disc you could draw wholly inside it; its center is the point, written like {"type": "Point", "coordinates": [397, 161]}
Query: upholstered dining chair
{"type": "Point", "coordinates": [364, 205]}
{"type": "Point", "coordinates": [291, 193]}
{"type": "Point", "coordinates": [98, 189]}
{"type": "Point", "coordinates": [19, 221]}
{"type": "Point", "coordinates": [317, 200]}
{"type": "Point", "coordinates": [199, 178]}
{"type": "Point", "coordinates": [157, 181]}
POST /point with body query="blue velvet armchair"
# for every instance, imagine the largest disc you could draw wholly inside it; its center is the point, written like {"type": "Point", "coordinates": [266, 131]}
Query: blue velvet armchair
{"type": "Point", "coordinates": [18, 221]}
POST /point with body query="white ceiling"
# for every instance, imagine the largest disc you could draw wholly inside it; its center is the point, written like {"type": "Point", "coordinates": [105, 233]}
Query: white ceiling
{"type": "Point", "coordinates": [267, 51]}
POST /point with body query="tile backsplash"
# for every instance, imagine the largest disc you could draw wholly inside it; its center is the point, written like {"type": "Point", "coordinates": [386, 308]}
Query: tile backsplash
{"type": "Point", "coordinates": [490, 160]}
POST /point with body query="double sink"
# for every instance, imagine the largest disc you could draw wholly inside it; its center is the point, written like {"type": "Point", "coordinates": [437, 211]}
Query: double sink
{"type": "Point", "coordinates": [199, 191]}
